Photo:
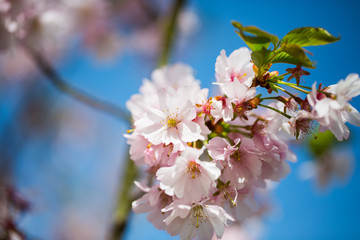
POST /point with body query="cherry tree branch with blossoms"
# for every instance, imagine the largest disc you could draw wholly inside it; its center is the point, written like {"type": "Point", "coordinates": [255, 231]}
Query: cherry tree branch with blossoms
{"type": "Point", "coordinates": [209, 155]}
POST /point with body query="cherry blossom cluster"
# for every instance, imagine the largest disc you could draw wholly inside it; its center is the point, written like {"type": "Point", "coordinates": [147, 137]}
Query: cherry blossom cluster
{"type": "Point", "coordinates": [49, 27]}
{"type": "Point", "coordinates": [206, 156]}
{"type": "Point", "coordinates": [105, 28]}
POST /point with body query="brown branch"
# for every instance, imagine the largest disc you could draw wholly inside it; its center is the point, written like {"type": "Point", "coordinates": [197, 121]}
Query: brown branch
{"type": "Point", "coordinates": [125, 198]}
{"type": "Point", "coordinates": [72, 91]}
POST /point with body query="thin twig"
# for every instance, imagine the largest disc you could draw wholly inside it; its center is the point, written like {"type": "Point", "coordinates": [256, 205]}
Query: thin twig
{"type": "Point", "coordinates": [297, 99]}
{"type": "Point", "coordinates": [72, 91]}
{"type": "Point", "coordinates": [276, 110]}
{"type": "Point", "coordinates": [293, 86]}
{"type": "Point", "coordinates": [306, 87]}
{"type": "Point", "coordinates": [279, 98]}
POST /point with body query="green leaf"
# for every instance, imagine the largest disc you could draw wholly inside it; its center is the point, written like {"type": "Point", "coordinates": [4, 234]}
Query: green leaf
{"type": "Point", "coordinates": [260, 57]}
{"type": "Point", "coordinates": [259, 38]}
{"type": "Point", "coordinates": [298, 53]}
{"type": "Point", "coordinates": [292, 55]}
{"type": "Point", "coordinates": [254, 43]}
{"type": "Point", "coordinates": [309, 36]}
{"type": "Point", "coordinates": [258, 32]}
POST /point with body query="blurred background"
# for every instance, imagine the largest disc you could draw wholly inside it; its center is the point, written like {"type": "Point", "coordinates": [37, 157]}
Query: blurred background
{"type": "Point", "coordinates": [66, 159]}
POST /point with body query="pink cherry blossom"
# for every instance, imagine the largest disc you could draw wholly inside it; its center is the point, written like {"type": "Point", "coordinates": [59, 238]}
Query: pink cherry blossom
{"type": "Point", "coordinates": [334, 113]}
{"type": "Point", "coordinates": [237, 66]}
{"type": "Point", "coordinates": [152, 202]}
{"type": "Point", "coordinates": [174, 77]}
{"type": "Point", "coordinates": [237, 94]}
{"type": "Point", "coordinates": [201, 220]}
{"type": "Point", "coordinates": [300, 123]}
{"type": "Point", "coordinates": [244, 165]}
{"type": "Point", "coordinates": [142, 152]}
{"type": "Point", "coordinates": [267, 140]}
{"type": "Point", "coordinates": [346, 89]}
{"type": "Point", "coordinates": [138, 145]}
{"type": "Point", "coordinates": [4, 5]}
{"type": "Point", "coordinates": [189, 178]}
{"type": "Point", "coordinates": [222, 109]}
{"type": "Point", "coordinates": [172, 124]}
{"type": "Point", "coordinates": [170, 78]}
{"type": "Point", "coordinates": [246, 206]}
{"type": "Point", "coordinates": [220, 148]}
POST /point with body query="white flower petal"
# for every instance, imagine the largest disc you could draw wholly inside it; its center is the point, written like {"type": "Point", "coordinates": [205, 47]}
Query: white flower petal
{"type": "Point", "coordinates": [352, 115]}
{"type": "Point", "coordinates": [190, 131]}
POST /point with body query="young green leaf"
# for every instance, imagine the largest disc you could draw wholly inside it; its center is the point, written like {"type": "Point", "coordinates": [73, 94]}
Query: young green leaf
{"type": "Point", "coordinates": [260, 57]}
{"type": "Point", "coordinates": [298, 53]}
{"type": "Point", "coordinates": [286, 57]}
{"type": "Point", "coordinates": [254, 43]}
{"type": "Point", "coordinates": [258, 32]}
{"type": "Point", "coordinates": [309, 36]}
{"type": "Point", "coordinates": [259, 38]}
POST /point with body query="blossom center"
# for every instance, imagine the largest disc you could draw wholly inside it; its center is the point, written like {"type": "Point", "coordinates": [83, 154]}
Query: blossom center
{"type": "Point", "coordinates": [241, 108]}
{"type": "Point", "coordinates": [172, 122]}
{"type": "Point", "coordinates": [164, 200]}
{"type": "Point", "coordinates": [206, 107]}
{"type": "Point", "coordinates": [197, 215]}
{"type": "Point", "coordinates": [222, 99]}
{"type": "Point", "coordinates": [302, 126]}
{"type": "Point", "coordinates": [237, 76]}
{"type": "Point", "coordinates": [237, 156]}
{"type": "Point", "coordinates": [193, 168]}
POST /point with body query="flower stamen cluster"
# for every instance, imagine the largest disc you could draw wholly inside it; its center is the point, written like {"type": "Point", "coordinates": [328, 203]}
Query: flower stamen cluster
{"type": "Point", "coordinates": [193, 168]}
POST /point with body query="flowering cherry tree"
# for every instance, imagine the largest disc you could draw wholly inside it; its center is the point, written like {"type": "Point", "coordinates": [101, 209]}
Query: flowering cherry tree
{"type": "Point", "coordinates": [198, 164]}
{"type": "Point", "coordinates": [206, 156]}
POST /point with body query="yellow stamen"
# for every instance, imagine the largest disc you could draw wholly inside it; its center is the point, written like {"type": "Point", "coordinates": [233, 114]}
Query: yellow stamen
{"type": "Point", "coordinates": [232, 201]}
{"type": "Point", "coordinates": [197, 212]}
{"type": "Point", "coordinates": [240, 77]}
{"type": "Point", "coordinates": [236, 155]}
{"type": "Point", "coordinates": [172, 122]}
{"type": "Point", "coordinates": [193, 168]}
{"type": "Point", "coordinates": [170, 150]}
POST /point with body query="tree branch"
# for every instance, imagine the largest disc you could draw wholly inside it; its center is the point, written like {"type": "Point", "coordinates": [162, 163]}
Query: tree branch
{"type": "Point", "coordinates": [72, 91]}
{"type": "Point", "coordinates": [125, 198]}
{"type": "Point", "coordinates": [170, 31]}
